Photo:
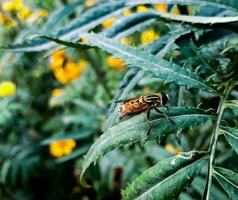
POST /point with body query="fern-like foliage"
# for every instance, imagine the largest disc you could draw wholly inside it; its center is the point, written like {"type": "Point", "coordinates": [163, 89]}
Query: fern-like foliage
{"type": "Point", "coordinates": [206, 66]}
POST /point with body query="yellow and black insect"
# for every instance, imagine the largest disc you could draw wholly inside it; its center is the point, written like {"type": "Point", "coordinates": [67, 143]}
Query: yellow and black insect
{"type": "Point", "coordinates": [144, 103]}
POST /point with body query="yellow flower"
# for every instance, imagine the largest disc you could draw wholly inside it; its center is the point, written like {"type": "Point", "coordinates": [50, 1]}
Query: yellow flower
{"type": "Point", "coordinates": [90, 3]}
{"type": "Point", "coordinates": [57, 59]}
{"type": "Point", "coordinates": [171, 149]}
{"type": "Point", "coordinates": [62, 147]}
{"type": "Point", "coordinates": [72, 70]}
{"type": "Point", "coordinates": [12, 5]}
{"type": "Point", "coordinates": [42, 13]}
{"type": "Point", "coordinates": [148, 36]}
{"type": "Point", "coordinates": [61, 76]}
{"type": "Point", "coordinates": [84, 40]}
{"type": "Point", "coordinates": [5, 20]}
{"type": "Point", "coordinates": [126, 41]}
{"type": "Point", "coordinates": [161, 7]}
{"type": "Point", "coordinates": [7, 88]}
{"type": "Point", "coordinates": [140, 9]}
{"type": "Point", "coordinates": [107, 23]}
{"type": "Point", "coordinates": [175, 10]}
{"type": "Point", "coordinates": [57, 92]}
{"type": "Point", "coordinates": [115, 62]}
{"type": "Point", "coordinates": [24, 13]}
{"type": "Point", "coordinates": [127, 12]}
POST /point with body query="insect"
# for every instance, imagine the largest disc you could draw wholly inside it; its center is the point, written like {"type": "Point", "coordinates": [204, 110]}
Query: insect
{"type": "Point", "coordinates": [144, 103]}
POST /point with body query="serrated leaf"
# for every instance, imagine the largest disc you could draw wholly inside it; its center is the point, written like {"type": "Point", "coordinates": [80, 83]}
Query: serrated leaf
{"type": "Point", "coordinates": [82, 134]}
{"type": "Point", "coordinates": [75, 154]}
{"type": "Point", "coordinates": [134, 57]}
{"type": "Point", "coordinates": [130, 24]}
{"type": "Point", "coordinates": [135, 130]}
{"type": "Point", "coordinates": [84, 23]}
{"type": "Point", "coordinates": [231, 135]}
{"type": "Point", "coordinates": [198, 19]}
{"type": "Point", "coordinates": [228, 180]}
{"type": "Point", "coordinates": [167, 179]}
{"type": "Point", "coordinates": [217, 3]}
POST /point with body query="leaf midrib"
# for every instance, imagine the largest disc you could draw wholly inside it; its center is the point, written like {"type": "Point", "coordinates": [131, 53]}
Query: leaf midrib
{"type": "Point", "coordinates": [169, 177]}
{"type": "Point", "coordinates": [216, 172]}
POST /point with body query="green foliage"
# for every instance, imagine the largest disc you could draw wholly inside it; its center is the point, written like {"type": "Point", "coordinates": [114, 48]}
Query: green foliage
{"type": "Point", "coordinates": [191, 57]}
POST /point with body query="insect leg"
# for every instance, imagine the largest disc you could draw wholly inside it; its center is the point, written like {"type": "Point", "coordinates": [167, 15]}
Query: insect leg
{"type": "Point", "coordinates": [156, 109]}
{"type": "Point", "coordinates": [148, 121]}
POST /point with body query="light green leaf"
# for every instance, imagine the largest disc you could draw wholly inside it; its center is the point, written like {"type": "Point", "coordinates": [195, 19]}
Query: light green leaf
{"type": "Point", "coordinates": [167, 179]}
{"type": "Point", "coordinates": [198, 19]}
{"type": "Point", "coordinates": [228, 180]}
{"type": "Point", "coordinates": [135, 130]}
{"type": "Point", "coordinates": [231, 135]}
{"type": "Point", "coordinates": [168, 71]}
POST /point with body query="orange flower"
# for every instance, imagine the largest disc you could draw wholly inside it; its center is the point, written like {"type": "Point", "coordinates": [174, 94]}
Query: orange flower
{"type": "Point", "coordinates": [161, 7]}
{"type": "Point", "coordinates": [62, 147]}
{"type": "Point", "coordinates": [57, 92]}
{"type": "Point", "coordinates": [141, 9]}
{"type": "Point", "coordinates": [57, 59]}
{"type": "Point", "coordinates": [149, 36]}
{"type": "Point", "coordinates": [115, 62]}
{"type": "Point", "coordinates": [171, 149]}
{"type": "Point", "coordinates": [108, 23]}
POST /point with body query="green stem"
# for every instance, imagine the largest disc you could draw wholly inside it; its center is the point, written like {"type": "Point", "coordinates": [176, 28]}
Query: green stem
{"type": "Point", "coordinates": [212, 147]}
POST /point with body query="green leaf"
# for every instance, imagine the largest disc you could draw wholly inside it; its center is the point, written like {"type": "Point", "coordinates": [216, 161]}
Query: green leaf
{"type": "Point", "coordinates": [199, 184]}
{"type": "Point", "coordinates": [233, 105]}
{"type": "Point", "coordinates": [168, 71]}
{"type": "Point", "coordinates": [77, 136]}
{"type": "Point", "coordinates": [218, 3]}
{"type": "Point", "coordinates": [228, 180]}
{"type": "Point", "coordinates": [231, 135]}
{"type": "Point", "coordinates": [167, 179]}
{"type": "Point", "coordinates": [135, 130]}
{"type": "Point", "coordinates": [198, 19]}
{"type": "Point", "coordinates": [75, 154]}
{"type": "Point", "coordinates": [84, 23]}
{"type": "Point", "coordinates": [130, 24]}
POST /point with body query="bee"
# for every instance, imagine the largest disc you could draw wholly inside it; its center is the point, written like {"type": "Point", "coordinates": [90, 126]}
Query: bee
{"type": "Point", "coordinates": [144, 103]}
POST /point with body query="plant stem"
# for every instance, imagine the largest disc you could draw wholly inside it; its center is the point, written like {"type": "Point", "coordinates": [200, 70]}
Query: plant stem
{"type": "Point", "coordinates": [212, 147]}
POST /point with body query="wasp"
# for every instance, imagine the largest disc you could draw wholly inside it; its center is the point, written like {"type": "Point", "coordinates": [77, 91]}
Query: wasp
{"type": "Point", "coordinates": [144, 103]}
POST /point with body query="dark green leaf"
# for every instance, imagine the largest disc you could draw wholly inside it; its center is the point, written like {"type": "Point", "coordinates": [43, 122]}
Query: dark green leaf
{"type": "Point", "coordinates": [168, 71]}
{"type": "Point", "coordinates": [77, 136]}
{"type": "Point", "coordinates": [76, 153]}
{"type": "Point", "coordinates": [231, 135]}
{"type": "Point", "coordinates": [167, 179]}
{"type": "Point", "coordinates": [135, 130]}
{"type": "Point", "coordinates": [228, 180]}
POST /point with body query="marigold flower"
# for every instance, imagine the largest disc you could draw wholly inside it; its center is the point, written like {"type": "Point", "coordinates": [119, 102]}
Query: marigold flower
{"type": "Point", "coordinates": [175, 10]}
{"type": "Point", "coordinates": [57, 92]}
{"type": "Point", "coordinates": [42, 13]}
{"type": "Point", "coordinates": [90, 3]}
{"type": "Point", "coordinates": [7, 88]}
{"type": "Point", "coordinates": [62, 147]}
{"type": "Point", "coordinates": [161, 7]}
{"type": "Point", "coordinates": [115, 62]}
{"type": "Point", "coordinates": [108, 23]}
{"type": "Point", "coordinates": [126, 41]}
{"type": "Point", "coordinates": [24, 13]}
{"type": "Point", "coordinates": [12, 5]}
{"type": "Point", "coordinates": [141, 9]}
{"type": "Point", "coordinates": [148, 36]}
{"type": "Point", "coordinates": [57, 59]}
{"type": "Point", "coordinates": [61, 76]}
{"type": "Point", "coordinates": [127, 12]}
{"type": "Point", "coordinates": [172, 150]}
